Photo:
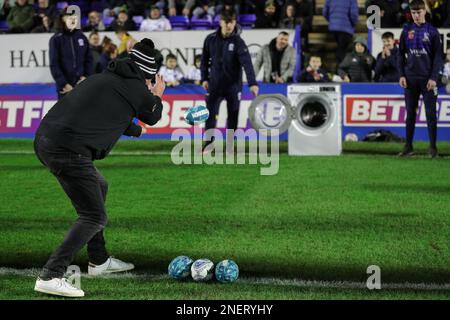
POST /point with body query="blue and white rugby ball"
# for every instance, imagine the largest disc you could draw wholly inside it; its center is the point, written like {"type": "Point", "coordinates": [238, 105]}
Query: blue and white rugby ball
{"type": "Point", "coordinates": [227, 271]}
{"type": "Point", "coordinates": [196, 115]}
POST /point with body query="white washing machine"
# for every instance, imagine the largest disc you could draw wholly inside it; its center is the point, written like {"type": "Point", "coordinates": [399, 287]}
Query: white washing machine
{"type": "Point", "coordinates": [311, 113]}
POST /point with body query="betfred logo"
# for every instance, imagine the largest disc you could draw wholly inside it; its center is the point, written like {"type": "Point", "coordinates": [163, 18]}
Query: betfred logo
{"type": "Point", "coordinates": [389, 111]}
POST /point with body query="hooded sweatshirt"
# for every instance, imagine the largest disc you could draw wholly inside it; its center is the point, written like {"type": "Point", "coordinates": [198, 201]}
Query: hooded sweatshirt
{"type": "Point", "coordinates": [92, 117]}
{"type": "Point", "coordinates": [358, 66]}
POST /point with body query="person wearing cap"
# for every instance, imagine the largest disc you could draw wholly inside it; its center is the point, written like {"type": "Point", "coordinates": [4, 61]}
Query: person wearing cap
{"type": "Point", "coordinates": [83, 127]}
{"type": "Point", "coordinates": [71, 59]}
{"type": "Point", "coordinates": [224, 55]}
{"type": "Point", "coordinates": [357, 65]}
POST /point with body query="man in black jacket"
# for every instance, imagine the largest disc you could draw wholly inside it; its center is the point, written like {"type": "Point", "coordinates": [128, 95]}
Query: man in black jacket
{"type": "Point", "coordinates": [82, 127]}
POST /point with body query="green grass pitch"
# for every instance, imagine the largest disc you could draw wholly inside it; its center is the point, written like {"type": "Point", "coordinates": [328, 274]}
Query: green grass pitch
{"type": "Point", "coordinates": [320, 218]}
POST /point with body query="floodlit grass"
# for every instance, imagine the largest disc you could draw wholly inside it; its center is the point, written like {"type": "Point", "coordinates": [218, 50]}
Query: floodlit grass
{"type": "Point", "coordinates": [319, 218]}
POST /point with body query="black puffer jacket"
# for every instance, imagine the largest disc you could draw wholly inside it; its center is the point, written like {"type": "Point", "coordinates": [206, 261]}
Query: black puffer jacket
{"type": "Point", "coordinates": [91, 118]}
{"type": "Point", "coordinates": [357, 66]}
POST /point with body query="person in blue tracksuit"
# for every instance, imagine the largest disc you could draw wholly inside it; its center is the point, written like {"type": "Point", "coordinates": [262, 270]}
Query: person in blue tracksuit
{"type": "Point", "coordinates": [224, 55]}
{"type": "Point", "coordinates": [70, 56]}
{"type": "Point", "coordinates": [420, 61]}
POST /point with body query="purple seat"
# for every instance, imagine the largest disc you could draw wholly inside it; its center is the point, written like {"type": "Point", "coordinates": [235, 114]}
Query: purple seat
{"type": "Point", "coordinates": [84, 21]}
{"type": "Point", "coordinates": [247, 21]}
{"type": "Point", "coordinates": [179, 22]}
{"type": "Point", "coordinates": [216, 22]}
{"type": "Point", "coordinates": [61, 5]}
{"type": "Point", "coordinates": [201, 24]}
{"type": "Point", "coordinates": [107, 21]}
{"type": "Point", "coordinates": [138, 20]}
{"type": "Point", "coordinates": [3, 25]}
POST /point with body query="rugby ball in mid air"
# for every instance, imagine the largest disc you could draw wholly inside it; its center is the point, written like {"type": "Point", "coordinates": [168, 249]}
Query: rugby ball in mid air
{"type": "Point", "coordinates": [196, 115]}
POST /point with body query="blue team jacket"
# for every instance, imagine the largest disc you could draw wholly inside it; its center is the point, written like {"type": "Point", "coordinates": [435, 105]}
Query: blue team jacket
{"type": "Point", "coordinates": [70, 57]}
{"type": "Point", "coordinates": [420, 52]}
{"type": "Point", "coordinates": [223, 60]}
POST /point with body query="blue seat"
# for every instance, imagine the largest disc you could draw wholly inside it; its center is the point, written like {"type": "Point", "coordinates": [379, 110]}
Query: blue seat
{"type": "Point", "coordinates": [84, 21]}
{"type": "Point", "coordinates": [138, 19]}
{"type": "Point", "coordinates": [216, 21]}
{"type": "Point", "coordinates": [61, 5]}
{"type": "Point", "coordinates": [3, 25]}
{"type": "Point", "coordinates": [179, 22]}
{"type": "Point", "coordinates": [107, 21]}
{"type": "Point", "coordinates": [201, 24]}
{"type": "Point", "coordinates": [247, 21]}
{"type": "Point", "coordinates": [97, 6]}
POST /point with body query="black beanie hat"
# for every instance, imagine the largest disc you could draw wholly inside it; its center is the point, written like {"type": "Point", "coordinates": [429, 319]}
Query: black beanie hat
{"type": "Point", "coordinates": [143, 54]}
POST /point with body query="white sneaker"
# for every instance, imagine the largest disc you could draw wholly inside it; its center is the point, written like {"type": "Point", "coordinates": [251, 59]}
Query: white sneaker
{"type": "Point", "coordinates": [58, 287]}
{"type": "Point", "coordinates": [111, 265]}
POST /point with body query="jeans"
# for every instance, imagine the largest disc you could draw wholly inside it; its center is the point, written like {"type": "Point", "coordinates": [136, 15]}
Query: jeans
{"type": "Point", "coordinates": [87, 190]}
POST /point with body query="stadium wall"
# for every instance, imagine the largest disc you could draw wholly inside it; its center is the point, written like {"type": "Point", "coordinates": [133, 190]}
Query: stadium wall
{"type": "Point", "coordinates": [366, 107]}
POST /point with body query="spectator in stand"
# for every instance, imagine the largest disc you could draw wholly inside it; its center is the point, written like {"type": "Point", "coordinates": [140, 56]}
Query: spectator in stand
{"type": "Point", "coordinates": [342, 16]}
{"type": "Point", "coordinates": [95, 46]}
{"type": "Point", "coordinates": [109, 53]}
{"type": "Point", "coordinates": [126, 40]}
{"type": "Point", "coordinates": [45, 26]}
{"type": "Point", "coordinates": [155, 21]}
{"type": "Point", "coordinates": [171, 73]}
{"type": "Point", "coordinates": [304, 13]}
{"type": "Point", "coordinates": [390, 12]}
{"type": "Point", "coordinates": [386, 68]}
{"type": "Point", "coordinates": [5, 7]}
{"type": "Point", "coordinates": [278, 59]}
{"type": "Point", "coordinates": [180, 7]}
{"type": "Point", "coordinates": [437, 10]}
{"type": "Point", "coordinates": [314, 71]}
{"type": "Point", "coordinates": [137, 7]}
{"type": "Point", "coordinates": [357, 65]}
{"type": "Point", "coordinates": [228, 5]}
{"type": "Point", "coordinates": [204, 8]}
{"type": "Point", "coordinates": [122, 20]}
{"type": "Point", "coordinates": [70, 56]}
{"type": "Point", "coordinates": [95, 22]}
{"type": "Point", "coordinates": [445, 73]}
{"type": "Point", "coordinates": [446, 23]}
{"type": "Point", "coordinates": [194, 74]}
{"type": "Point", "coordinates": [268, 18]}
{"type": "Point", "coordinates": [45, 9]}
{"type": "Point", "coordinates": [113, 8]}
{"type": "Point", "coordinates": [289, 21]}
{"type": "Point", "coordinates": [21, 17]}
{"type": "Point", "coordinates": [405, 13]}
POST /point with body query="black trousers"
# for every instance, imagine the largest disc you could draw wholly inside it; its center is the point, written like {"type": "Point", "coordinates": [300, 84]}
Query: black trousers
{"type": "Point", "coordinates": [417, 87]}
{"type": "Point", "coordinates": [343, 40]}
{"type": "Point", "coordinates": [232, 96]}
{"type": "Point", "coordinates": [87, 190]}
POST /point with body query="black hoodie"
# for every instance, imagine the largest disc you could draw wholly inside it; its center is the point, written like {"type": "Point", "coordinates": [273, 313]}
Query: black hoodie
{"type": "Point", "coordinates": [92, 117]}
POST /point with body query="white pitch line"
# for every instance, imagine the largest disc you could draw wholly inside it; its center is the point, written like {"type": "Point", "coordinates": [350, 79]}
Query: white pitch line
{"type": "Point", "coordinates": [255, 281]}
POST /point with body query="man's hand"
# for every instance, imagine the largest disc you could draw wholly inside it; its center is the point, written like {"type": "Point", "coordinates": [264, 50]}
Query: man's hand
{"type": "Point", "coordinates": [172, 12]}
{"type": "Point", "coordinates": [158, 88]}
{"type": "Point", "coordinates": [81, 79]}
{"type": "Point", "coordinates": [143, 131]}
{"type": "Point", "coordinates": [279, 80]}
{"type": "Point", "coordinates": [205, 85]}
{"type": "Point", "coordinates": [346, 78]}
{"type": "Point", "coordinates": [403, 83]}
{"type": "Point", "coordinates": [254, 90]}
{"type": "Point", "coordinates": [67, 88]}
{"type": "Point", "coordinates": [431, 85]}
{"type": "Point", "coordinates": [186, 12]}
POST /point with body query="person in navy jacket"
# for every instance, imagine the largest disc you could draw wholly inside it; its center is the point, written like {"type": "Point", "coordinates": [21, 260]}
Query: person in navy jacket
{"type": "Point", "coordinates": [420, 62]}
{"type": "Point", "coordinates": [386, 68]}
{"type": "Point", "coordinates": [70, 56]}
{"type": "Point", "coordinates": [224, 55]}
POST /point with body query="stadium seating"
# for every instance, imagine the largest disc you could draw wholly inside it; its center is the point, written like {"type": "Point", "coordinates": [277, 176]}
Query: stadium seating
{"type": "Point", "coordinates": [247, 21]}
{"type": "Point", "coordinates": [201, 24]}
{"type": "Point", "coordinates": [179, 22]}
{"type": "Point", "coordinates": [3, 26]}
{"type": "Point", "coordinates": [107, 21]}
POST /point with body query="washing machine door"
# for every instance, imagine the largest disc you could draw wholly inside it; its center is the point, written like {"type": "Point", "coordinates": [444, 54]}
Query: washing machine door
{"type": "Point", "coordinates": [272, 112]}
{"type": "Point", "coordinates": [314, 113]}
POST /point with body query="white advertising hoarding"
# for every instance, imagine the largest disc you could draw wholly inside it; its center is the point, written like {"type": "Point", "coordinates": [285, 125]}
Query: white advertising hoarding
{"type": "Point", "coordinates": [24, 57]}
